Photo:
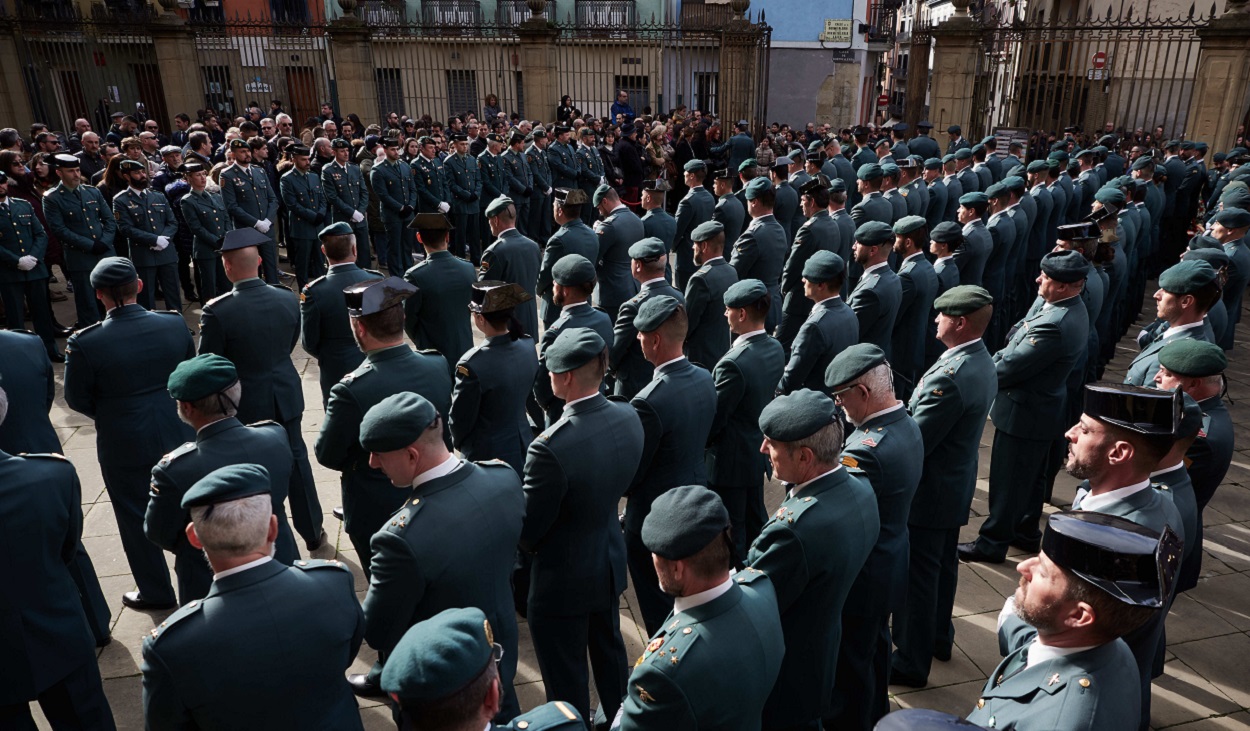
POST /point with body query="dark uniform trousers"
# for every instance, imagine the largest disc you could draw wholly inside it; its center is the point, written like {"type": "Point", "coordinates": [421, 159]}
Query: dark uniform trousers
{"type": "Point", "coordinates": [72, 703]}
{"type": "Point", "coordinates": [932, 581]}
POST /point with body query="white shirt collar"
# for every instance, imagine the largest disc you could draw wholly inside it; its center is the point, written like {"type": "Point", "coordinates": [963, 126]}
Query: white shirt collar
{"type": "Point", "coordinates": [830, 297]}
{"type": "Point", "coordinates": [1096, 503]}
{"type": "Point", "coordinates": [1048, 305]}
{"type": "Point", "coordinates": [913, 256]}
{"type": "Point", "coordinates": [1182, 328]}
{"type": "Point", "coordinates": [941, 259]}
{"type": "Point", "coordinates": [971, 225]}
{"type": "Point", "coordinates": [566, 308]}
{"type": "Point", "coordinates": [686, 603]}
{"type": "Point", "coordinates": [578, 400]}
{"type": "Point", "coordinates": [656, 279]}
{"type": "Point", "coordinates": [446, 468]}
{"type": "Point", "coordinates": [876, 266]}
{"type": "Point", "coordinates": [136, 191]}
{"type": "Point", "coordinates": [244, 567]}
{"type": "Point", "coordinates": [799, 487]}
{"type": "Point", "coordinates": [1166, 470]}
{"type": "Point", "coordinates": [875, 414]}
{"type": "Point", "coordinates": [344, 264]}
{"type": "Point", "coordinates": [618, 207]}
{"type": "Point", "coordinates": [962, 346]}
{"type": "Point", "coordinates": [657, 368]}
{"type": "Point", "coordinates": [709, 261]}
{"type": "Point", "coordinates": [1039, 653]}
{"type": "Point", "coordinates": [743, 337]}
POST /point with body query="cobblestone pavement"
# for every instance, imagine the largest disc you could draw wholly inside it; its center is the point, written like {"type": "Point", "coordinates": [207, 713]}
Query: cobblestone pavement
{"type": "Point", "coordinates": [1206, 685]}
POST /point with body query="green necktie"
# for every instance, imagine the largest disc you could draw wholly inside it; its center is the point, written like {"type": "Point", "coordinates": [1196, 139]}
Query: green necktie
{"type": "Point", "coordinates": [1014, 664]}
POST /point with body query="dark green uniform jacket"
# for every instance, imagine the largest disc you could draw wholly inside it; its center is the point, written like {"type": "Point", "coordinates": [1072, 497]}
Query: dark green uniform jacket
{"type": "Point", "coordinates": [1033, 370]}
{"type": "Point", "coordinates": [326, 329]}
{"type": "Point", "coordinates": [28, 380]}
{"type": "Point", "coordinates": [298, 627]}
{"type": "Point", "coordinates": [487, 417]}
{"type": "Point", "coordinates": [141, 218]}
{"type": "Point", "coordinates": [619, 231]}
{"type": "Point", "coordinates": [708, 337]}
{"type": "Point", "coordinates": [79, 219]}
{"type": "Point", "coordinates": [625, 361]}
{"type": "Point", "coordinates": [571, 316]}
{"type": "Point", "coordinates": [746, 381]}
{"type": "Point", "coordinates": [574, 237]}
{"type": "Point", "coordinates": [830, 328]}
{"type": "Point", "coordinates": [876, 301]}
{"type": "Point", "coordinates": [515, 258]}
{"type": "Point", "coordinates": [437, 315]}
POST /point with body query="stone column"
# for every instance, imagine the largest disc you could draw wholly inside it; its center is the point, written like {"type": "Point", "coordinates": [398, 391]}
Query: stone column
{"type": "Point", "coordinates": [538, 62]}
{"type": "Point", "coordinates": [14, 101]}
{"type": "Point", "coordinates": [917, 80]}
{"type": "Point", "coordinates": [956, 45]}
{"type": "Point", "coordinates": [1222, 87]}
{"type": "Point", "coordinates": [174, 45]}
{"type": "Point", "coordinates": [351, 55]}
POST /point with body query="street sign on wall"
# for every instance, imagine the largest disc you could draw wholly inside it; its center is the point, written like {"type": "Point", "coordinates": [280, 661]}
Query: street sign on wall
{"type": "Point", "coordinates": [836, 31]}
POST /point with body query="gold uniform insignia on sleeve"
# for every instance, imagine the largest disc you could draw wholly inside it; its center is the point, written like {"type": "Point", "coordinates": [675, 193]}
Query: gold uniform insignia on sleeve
{"type": "Point", "coordinates": [302, 297]}
{"type": "Point", "coordinates": [490, 634]}
{"type": "Point", "coordinates": [643, 695]}
{"type": "Point", "coordinates": [568, 712]}
{"type": "Point", "coordinates": [463, 370]}
{"type": "Point", "coordinates": [849, 461]}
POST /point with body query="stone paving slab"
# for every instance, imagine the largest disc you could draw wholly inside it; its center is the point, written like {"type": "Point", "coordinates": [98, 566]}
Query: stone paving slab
{"type": "Point", "coordinates": [1206, 685]}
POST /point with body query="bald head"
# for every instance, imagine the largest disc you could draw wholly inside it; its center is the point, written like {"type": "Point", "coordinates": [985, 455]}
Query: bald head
{"type": "Point", "coordinates": [241, 264]}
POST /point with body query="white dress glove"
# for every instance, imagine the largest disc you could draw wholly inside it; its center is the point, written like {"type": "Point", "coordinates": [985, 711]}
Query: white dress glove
{"type": "Point", "coordinates": [262, 225]}
{"type": "Point", "coordinates": [26, 263]}
{"type": "Point", "coordinates": [443, 207]}
{"type": "Point", "coordinates": [603, 180]}
{"type": "Point", "coordinates": [357, 217]}
{"type": "Point", "coordinates": [162, 242]}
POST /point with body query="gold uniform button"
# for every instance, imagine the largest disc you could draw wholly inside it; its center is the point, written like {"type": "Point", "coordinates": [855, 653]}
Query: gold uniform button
{"type": "Point", "coordinates": [1084, 682]}
{"type": "Point", "coordinates": [522, 725]}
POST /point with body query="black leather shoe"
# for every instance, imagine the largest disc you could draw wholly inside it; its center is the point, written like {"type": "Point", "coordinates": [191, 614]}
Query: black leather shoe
{"type": "Point", "coordinates": [942, 654]}
{"type": "Point", "coordinates": [906, 680]}
{"type": "Point", "coordinates": [55, 356]}
{"type": "Point", "coordinates": [135, 600]}
{"type": "Point", "coordinates": [1028, 545]}
{"type": "Point", "coordinates": [314, 545]}
{"type": "Point", "coordinates": [104, 642]}
{"type": "Point", "coordinates": [363, 687]}
{"type": "Point", "coordinates": [61, 331]}
{"type": "Point", "coordinates": [337, 512]}
{"type": "Point", "coordinates": [969, 553]}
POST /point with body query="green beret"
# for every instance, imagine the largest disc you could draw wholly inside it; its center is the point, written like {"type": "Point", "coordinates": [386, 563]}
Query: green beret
{"type": "Point", "coordinates": [852, 363]}
{"type": "Point", "coordinates": [962, 300]}
{"type": "Point", "coordinates": [837, 185]}
{"type": "Point", "coordinates": [978, 148]}
{"type": "Point", "coordinates": [797, 415]}
{"type": "Point", "coordinates": [498, 205]}
{"type": "Point", "coordinates": [974, 198]}
{"type": "Point", "coordinates": [963, 153]}
{"type": "Point", "coordinates": [693, 166]}
{"type": "Point", "coordinates": [707, 230]}
{"type": "Point", "coordinates": [1213, 255]}
{"type": "Point", "coordinates": [396, 422]}
{"type": "Point", "coordinates": [439, 656]}
{"type": "Point", "coordinates": [745, 292]}
{"type": "Point", "coordinates": [1142, 163]}
{"type": "Point", "coordinates": [947, 232]}
{"type": "Point", "coordinates": [1014, 183]}
{"type": "Point", "coordinates": [1235, 195]}
{"type": "Point", "coordinates": [201, 377]}
{"type": "Point", "coordinates": [871, 171]}
{"type": "Point", "coordinates": [747, 164]}
{"type": "Point", "coordinates": [1187, 277]}
{"type": "Point", "coordinates": [648, 249]}
{"type": "Point", "coordinates": [573, 270]}
{"type": "Point", "coordinates": [1065, 266]}
{"type": "Point", "coordinates": [823, 266]}
{"type": "Point", "coordinates": [909, 224]}
{"type": "Point", "coordinates": [238, 143]}
{"type": "Point", "coordinates": [1037, 166]}
{"type": "Point", "coordinates": [684, 521]}
{"type": "Point", "coordinates": [933, 163]}
{"type": "Point", "coordinates": [1016, 172]}
{"type": "Point", "coordinates": [1058, 156]}
{"type": "Point", "coordinates": [127, 166]}
{"type": "Point", "coordinates": [757, 187]}
{"type": "Point", "coordinates": [1193, 358]}
{"type": "Point", "coordinates": [996, 190]}
{"type": "Point", "coordinates": [1228, 218]}
{"type": "Point", "coordinates": [654, 312]}
{"type": "Point", "coordinates": [874, 233]}
{"type": "Point", "coordinates": [572, 349]}
{"type": "Point", "coordinates": [600, 193]}
{"type": "Point", "coordinates": [232, 482]}
{"type": "Point", "coordinates": [335, 229]}
{"type": "Point", "coordinates": [888, 170]}
{"type": "Point", "coordinates": [948, 158]}
{"type": "Point", "coordinates": [1108, 194]}
{"type": "Point", "coordinates": [113, 271]}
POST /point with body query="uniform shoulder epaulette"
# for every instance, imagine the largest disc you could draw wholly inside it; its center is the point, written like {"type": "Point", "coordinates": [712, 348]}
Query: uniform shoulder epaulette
{"type": "Point", "coordinates": [494, 464]}
{"type": "Point", "coordinates": [553, 716]}
{"type": "Point", "coordinates": [87, 329]}
{"type": "Point", "coordinates": [374, 272]}
{"type": "Point", "coordinates": [167, 312]}
{"type": "Point", "coordinates": [406, 512]}
{"type": "Point", "coordinates": [550, 431]}
{"type": "Point", "coordinates": [666, 652]}
{"type": "Point", "coordinates": [310, 564]}
{"type": "Point", "coordinates": [182, 613]}
{"type": "Point", "coordinates": [22, 331]}
{"type": "Point", "coordinates": [264, 422]}
{"type": "Point", "coordinates": [184, 448]}
{"type": "Point", "coordinates": [791, 510]}
{"type": "Point", "coordinates": [220, 297]}
{"type": "Point", "coordinates": [43, 455]}
{"type": "Point", "coordinates": [312, 282]}
{"type": "Point", "coordinates": [361, 370]}
{"type": "Point", "coordinates": [748, 575]}
{"type": "Point", "coordinates": [282, 287]}
{"type": "Point", "coordinates": [1162, 487]}
{"type": "Point", "coordinates": [430, 351]}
